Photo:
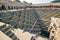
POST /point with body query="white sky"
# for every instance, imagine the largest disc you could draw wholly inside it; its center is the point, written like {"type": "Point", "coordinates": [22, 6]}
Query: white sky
{"type": "Point", "coordinates": [37, 1]}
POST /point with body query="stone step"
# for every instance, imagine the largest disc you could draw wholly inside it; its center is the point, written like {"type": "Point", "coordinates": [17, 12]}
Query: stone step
{"type": "Point", "coordinates": [52, 14]}
{"type": "Point", "coordinates": [5, 28]}
{"type": "Point", "coordinates": [47, 13]}
{"type": "Point", "coordinates": [7, 31]}
{"type": "Point", "coordinates": [10, 34]}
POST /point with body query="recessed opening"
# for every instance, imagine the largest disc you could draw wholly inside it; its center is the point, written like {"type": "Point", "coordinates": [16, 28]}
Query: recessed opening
{"type": "Point", "coordinates": [3, 7]}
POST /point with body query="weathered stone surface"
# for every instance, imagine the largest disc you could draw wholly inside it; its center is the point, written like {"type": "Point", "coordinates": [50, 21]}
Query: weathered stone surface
{"type": "Point", "coordinates": [54, 29]}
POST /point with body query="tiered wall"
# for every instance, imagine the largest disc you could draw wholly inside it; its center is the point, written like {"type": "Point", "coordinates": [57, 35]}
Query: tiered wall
{"type": "Point", "coordinates": [33, 20]}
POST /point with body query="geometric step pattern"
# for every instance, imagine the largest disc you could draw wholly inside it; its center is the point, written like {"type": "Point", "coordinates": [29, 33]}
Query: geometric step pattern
{"type": "Point", "coordinates": [32, 20]}
{"type": "Point", "coordinates": [28, 20]}
{"type": "Point", "coordinates": [8, 32]}
{"type": "Point", "coordinates": [47, 13]}
{"type": "Point", "coordinates": [20, 18]}
{"type": "Point", "coordinates": [40, 29]}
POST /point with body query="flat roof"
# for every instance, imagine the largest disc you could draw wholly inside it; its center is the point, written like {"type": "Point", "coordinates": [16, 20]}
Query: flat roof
{"type": "Point", "coordinates": [46, 4]}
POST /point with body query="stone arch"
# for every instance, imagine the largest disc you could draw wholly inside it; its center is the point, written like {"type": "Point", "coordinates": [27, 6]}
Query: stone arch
{"type": "Point", "coordinates": [3, 7]}
{"type": "Point", "coordinates": [8, 7]}
{"type": "Point", "coordinates": [11, 7]}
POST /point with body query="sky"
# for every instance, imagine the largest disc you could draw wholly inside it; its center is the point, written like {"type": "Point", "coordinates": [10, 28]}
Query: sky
{"type": "Point", "coordinates": [37, 1]}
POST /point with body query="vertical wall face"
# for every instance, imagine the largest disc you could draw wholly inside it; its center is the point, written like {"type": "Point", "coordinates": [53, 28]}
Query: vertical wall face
{"type": "Point", "coordinates": [3, 6]}
{"type": "Point", "coordinates": [54, 28]}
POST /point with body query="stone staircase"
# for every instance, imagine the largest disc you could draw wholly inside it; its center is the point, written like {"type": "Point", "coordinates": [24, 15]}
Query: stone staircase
{"type": "Point", "coordinates": [8, 32]}
{"type": "Point", "coordinates": [25, 19]}
{"type": "Point", "coordinates": [47, 14]}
